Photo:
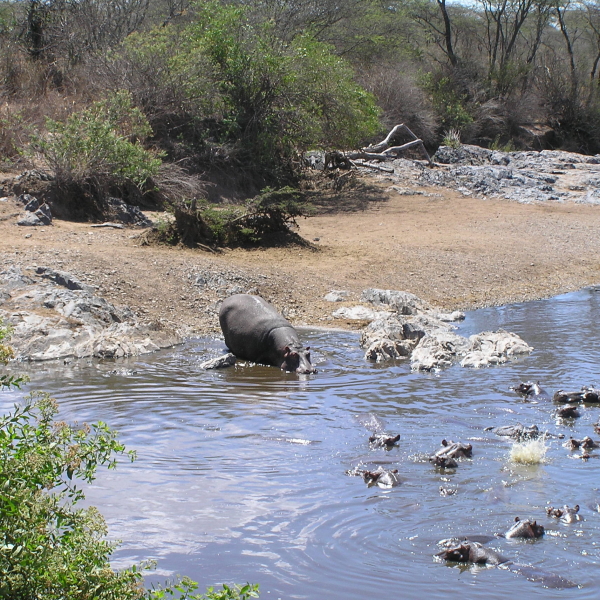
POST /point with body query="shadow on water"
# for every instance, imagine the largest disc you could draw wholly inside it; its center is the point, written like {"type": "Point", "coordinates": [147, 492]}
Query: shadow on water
{"type": "Point", "coordinates": [241, 473]}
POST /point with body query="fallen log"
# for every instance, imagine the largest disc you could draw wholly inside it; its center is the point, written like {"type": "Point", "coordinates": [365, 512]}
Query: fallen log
{"type": "Point", "coordinates": [383, 151]}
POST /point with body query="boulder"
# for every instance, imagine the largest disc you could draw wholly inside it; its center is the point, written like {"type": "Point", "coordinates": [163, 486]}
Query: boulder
{"type": "Point", "coordinates": [54, 316]}
{"type": "Point", "coordinates": [424, 334]}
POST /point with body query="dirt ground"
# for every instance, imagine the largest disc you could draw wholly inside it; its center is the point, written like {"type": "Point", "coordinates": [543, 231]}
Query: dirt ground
{"type": "Point", "coordinates": [456, 252]}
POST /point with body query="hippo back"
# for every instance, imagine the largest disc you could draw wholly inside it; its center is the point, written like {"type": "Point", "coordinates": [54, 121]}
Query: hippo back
{"type": "Point", "coordinates": [247, 322]}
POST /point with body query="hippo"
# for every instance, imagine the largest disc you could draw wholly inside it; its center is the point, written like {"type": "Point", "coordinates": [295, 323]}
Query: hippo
{"type": "Point", "coordinates": [531, 389]}
{"type": "Point", "coordinates": [383, 478]}
{"type": "Point", "coordinates": [524, 529]}
{"type": "Point", "coordinates": [468, 551]}
{"type": "Point", "coordinates": [568, 411]}
{"type": "Point", "coordinates": [516, 432]}
{"type": "Point", "coordinates": [383, 440]}
{"type": "Point", "coordinates": [568, 515]}
{"type": "Point", "coordinates": [255, 331]}
{"type": "Point", "coordinates": [443, 462]}
{"type": "Point", "coordinates": [587, 443]}
{"type": "Point", "coordinates": [452, 449]}
{"type": "Point", "coordinates": [586, 394]}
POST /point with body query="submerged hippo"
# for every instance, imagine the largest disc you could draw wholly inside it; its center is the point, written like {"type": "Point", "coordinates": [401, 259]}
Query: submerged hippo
{"type": "Point", "coordinates": [466, 551]}
{"type": "Point", "coordinates": [383, 478]}
{"type": "Point", "coordinates": [587, 443]}
{"type": "Point", "coordinates": [568, 411]}
{"type": "Point", "coordinates": [255, 331]}
{"type": "Point", "coordinates": [531, 389]}
{"type": "Point", "coordinates": [472, 552]}
{"type": "Point", "coordinates": [585, 394]}
{"type": "Point", "coordinates": [452, 449]}
{"type": "Point", "coordinates": [443, 462]}
{"type": "Point", "coordinates": [524, 529]}
{"type": "Point", "coordinates": [383, 440]}
{"type": "Point", "coordinates": [516, 432]}
{"type": "Point", "coordinates": [568, 515]}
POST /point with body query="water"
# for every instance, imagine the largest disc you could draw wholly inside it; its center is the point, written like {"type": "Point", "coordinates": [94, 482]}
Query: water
{"type": "Point", "coordinates": [241, 473]}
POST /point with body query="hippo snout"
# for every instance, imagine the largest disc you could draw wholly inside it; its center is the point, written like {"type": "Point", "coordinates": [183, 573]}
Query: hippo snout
{"type": "Point", "coordinates": [298, 361]}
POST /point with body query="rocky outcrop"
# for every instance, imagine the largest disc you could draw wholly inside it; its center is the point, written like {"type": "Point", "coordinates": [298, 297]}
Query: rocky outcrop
{"type": "Point", "coordinates": [36, 213]}
{"type": "Point", "coordinates": [525, 177]}
{"type": "Point", "coordinates": [410, 328]}
{"type": "Point", "coordinates": [56, 316]}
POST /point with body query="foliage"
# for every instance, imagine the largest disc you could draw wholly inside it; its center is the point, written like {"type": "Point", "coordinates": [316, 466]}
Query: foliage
{"type": "Point", "coordinates": [449, 103]}
{"type": "Point", "coordinates": [186, 586]}
{"type": "Point", "coordinates": [48, 548]}
{"type": "Point", "coordinates": [258, 97]}
{"type": "Point", "coordinates": [452, 138]}
{"type": "Point", "coordinates": [497, 145]}
{"type": "Point", "coordinates": [269, 214]}
{"type": "Point", "coordinates": [6, 354]}
{"type": "Point", "coordinates": [102, 142]}
{"type": "Point", "coordinates": [14, 133]}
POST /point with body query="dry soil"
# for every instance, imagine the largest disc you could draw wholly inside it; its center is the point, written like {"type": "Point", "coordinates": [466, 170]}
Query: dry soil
{"type": "Point", "coordinates": [456, 252]}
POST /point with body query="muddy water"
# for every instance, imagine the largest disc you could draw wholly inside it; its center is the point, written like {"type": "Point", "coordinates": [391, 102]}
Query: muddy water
{"type": "Point", "coordinates": [241, 473]}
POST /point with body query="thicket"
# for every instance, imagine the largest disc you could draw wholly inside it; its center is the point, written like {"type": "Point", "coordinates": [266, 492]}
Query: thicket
{"type": "Point", "coordinates": [266, 219]}
{"type": "Point", "coordinates": [51, 548]}
{"type": "Point", "coordinates": [234, 91]}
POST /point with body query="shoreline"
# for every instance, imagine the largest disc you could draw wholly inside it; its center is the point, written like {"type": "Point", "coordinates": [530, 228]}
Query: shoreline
{"type": "Point", "coordinates": [455, 252]}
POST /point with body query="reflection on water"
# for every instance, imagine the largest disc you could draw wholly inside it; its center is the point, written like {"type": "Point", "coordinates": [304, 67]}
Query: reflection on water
{"type": "Point", "coordinates": [241, 472]}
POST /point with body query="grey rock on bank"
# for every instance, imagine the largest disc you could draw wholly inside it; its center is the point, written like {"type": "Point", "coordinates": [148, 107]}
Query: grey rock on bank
{"type": "Point", "coordinates": [412, 328]}
{"type": "Point", "coordinates": [55, 316]}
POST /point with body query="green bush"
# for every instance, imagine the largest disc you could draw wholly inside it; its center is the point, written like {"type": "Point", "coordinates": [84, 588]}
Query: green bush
{"type": "Point", "coordinates": [49, 548]}
{"type": "Point", "coordinates": [258, 98]}
{"type": "Point", "coordinates": [262, 218]}
{"type": "Point", "coordinates": [449, 103]}
{"type": "Point", "coordinates": [101, 143]}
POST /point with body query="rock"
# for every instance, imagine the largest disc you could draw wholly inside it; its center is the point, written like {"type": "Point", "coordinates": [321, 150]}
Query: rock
{"type": "Point", "coordinates": [35, 214]}
{"type": "Point", "coordinates": [32, 205]}
{"type": "Point", "coordinates": [336, 296]}
{"type": "Point", "coordinates": [359, 313]}
{"type": "Point", "coordinates": [438, 350]}
{"type": "Point", "coordinates": [221, 362]}
{"type": "Point", "coordinates": [127, 213]}
{"type": "Point", "coordinates": [403, 303]}
{"type": "Point", "coordinates": [29, 220]}
{"type": "Point", "coordinates": [60, 317]}
{"type": "Point", "coordinates": [494, 348]}
{"type": "Point", "coordinates": [63, 279]}
{"type": "Point", "coordinates": [417, 330]}
{"type": "Point", "coordinates": [26, 200]}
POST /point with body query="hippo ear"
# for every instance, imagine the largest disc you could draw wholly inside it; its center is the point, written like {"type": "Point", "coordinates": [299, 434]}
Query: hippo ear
{"type": "Point", "coordinates": [517, 519]}
{"type": "Point", "coordinates": [444, 443]}
{"type": "Point", "coordinates": [576, 508]}
{"type": "Point", "coordinates": [307, 348]}
{"type": "Point", "coordinates": [286, 350]}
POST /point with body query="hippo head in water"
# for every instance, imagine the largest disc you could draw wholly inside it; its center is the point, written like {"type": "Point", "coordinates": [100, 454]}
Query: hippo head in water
{"type": "Point", "coordinates": [297, 360]}
{"type": "Point", "coordinates": [525, 529]}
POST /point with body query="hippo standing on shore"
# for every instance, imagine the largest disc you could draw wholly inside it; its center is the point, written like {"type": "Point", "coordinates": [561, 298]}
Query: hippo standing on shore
{"type": "Point", "coordinates": [255, 331]}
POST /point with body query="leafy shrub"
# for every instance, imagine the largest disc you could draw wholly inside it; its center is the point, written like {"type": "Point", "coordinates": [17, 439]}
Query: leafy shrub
{"type": "Point", "coordinates": [452, 138]}
{"type": "Point", "coordinates": [48, 548]}
{"type": "Point", "coordinates": [101, 142]}
{"type": "Point", "coordinates": [257, 98]}
{"type": "Point", "coordinates": [449, 102]}
{"type": "Point", "coordinates": [197, 222]}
